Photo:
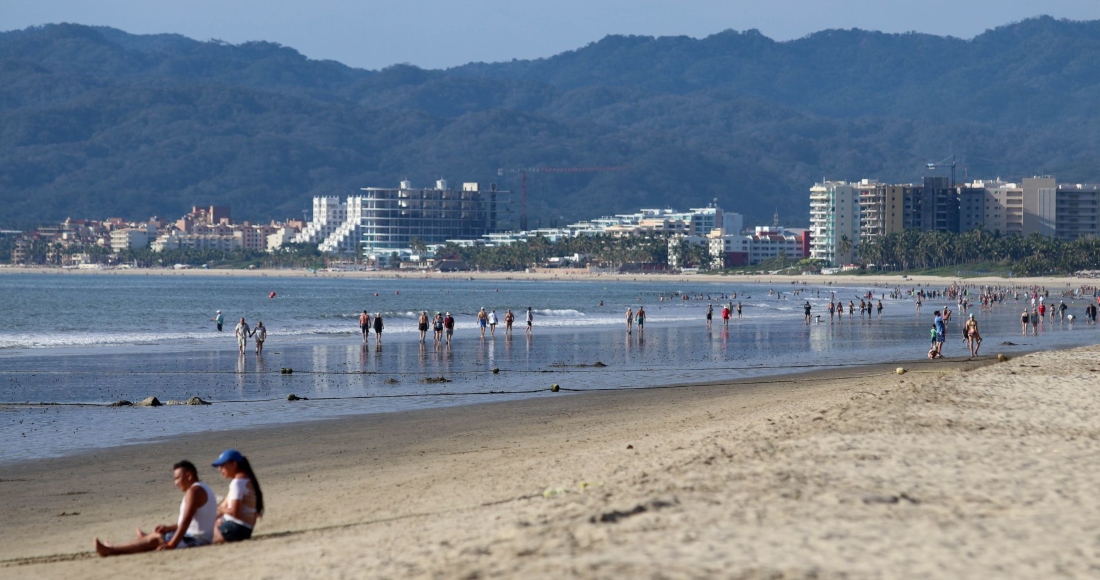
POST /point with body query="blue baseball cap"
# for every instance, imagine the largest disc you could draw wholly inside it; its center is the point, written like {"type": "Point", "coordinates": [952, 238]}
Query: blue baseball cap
{"type": "Point", "coordinates": [227, 456]}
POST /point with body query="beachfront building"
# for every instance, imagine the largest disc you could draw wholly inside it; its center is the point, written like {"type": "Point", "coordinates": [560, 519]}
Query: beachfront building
{"type": "Point", "coordinates": [381, 221]}
{"type": "Point", "coordinates": [765, 243]}
{"type": "Point", "coordinates": [834, 221]}
{"type": "Point", "coordinates": [329, 213]}
{"type": "Point", "coordinates": [699, 221]}
{"type": "Point", "coordinates": [882, 207]}
{"type": "Point", "coordinates": [1077, 211]}
{"type": "Point", "coordinates": [178, 240]}
{"type": "Point", "coordinates": [1035, 205]}
{"type": "Point", "coordinates": [129, 239]}
{"type": "Point", "coordinates": [392, 218]}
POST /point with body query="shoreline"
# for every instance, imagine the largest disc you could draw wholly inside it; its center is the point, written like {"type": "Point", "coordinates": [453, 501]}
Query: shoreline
{"type": "Point", "coordinates": [264, 430]}
{"type": "Point", "coordinates": [577, 276]}
{"type": "Point", "coordinates": [493, 489]}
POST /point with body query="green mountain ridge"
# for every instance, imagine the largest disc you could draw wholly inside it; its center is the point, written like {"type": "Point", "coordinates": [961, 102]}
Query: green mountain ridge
{"type": "Point", "coordinates": [95, 122]}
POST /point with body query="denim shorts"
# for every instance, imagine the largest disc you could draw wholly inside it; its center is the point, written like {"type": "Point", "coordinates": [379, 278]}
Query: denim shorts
{"type": "Point", "coordinates": [185, 541]}
{"type": "Point", "coordinates": [234, 532]}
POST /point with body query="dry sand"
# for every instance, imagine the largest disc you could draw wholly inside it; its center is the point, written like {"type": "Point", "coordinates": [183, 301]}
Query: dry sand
{"type": "Point", "coordinates": [954, 469]}
{"type": "Point", "coordinates": [1053, 283]}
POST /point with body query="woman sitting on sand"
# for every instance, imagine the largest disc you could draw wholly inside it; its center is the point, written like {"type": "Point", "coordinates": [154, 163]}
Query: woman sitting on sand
{"type": "Point", "coordinates": [239, 510]}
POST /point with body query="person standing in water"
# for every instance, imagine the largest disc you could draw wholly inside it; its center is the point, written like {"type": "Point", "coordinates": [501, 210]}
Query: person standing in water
{"type": "Point", "coordinates": [972, 335]}
{"type": "Point", "coordinates": [640, 318]}
{"type": "Point", "coordinates": [493, 322]}
{"type": "Point", "coordinates": [260, 335]}
{"type": "Point", "coordinates": [530, 321]}
{"type": "Point", "coordinates": [378, 326]}
{"type": "Point", "coordinates": [422, 324]}
{"type": "Point", "coordinates": [941, 333]}
{"type": "Point", "coordinates": [218, 320]}
{"type": "Point", "coordinates": [364, 325]}
{"type": "Point", "coordinates": [629, 320]}
{"type": "Point", "coordinates": [241, 332]}
{"type": "Point", "coordinates": [482, 321]}
{"type": "Point", "coordinates": [739, 310]}
{"type": "Point", "coordinates": [437, 326]}
{"type": "Point", "coordinates": [449, 325]}
{"type": "Point", "coordinates": [807, 309]}
{"type": "Point", "coordinates": [710, 314]}
{"type": "Point", "coordinates": [509, 318]}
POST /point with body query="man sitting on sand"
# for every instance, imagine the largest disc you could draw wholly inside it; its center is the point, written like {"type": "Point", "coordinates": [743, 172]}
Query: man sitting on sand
{"type": "Point", "coordinates": [198, 511]}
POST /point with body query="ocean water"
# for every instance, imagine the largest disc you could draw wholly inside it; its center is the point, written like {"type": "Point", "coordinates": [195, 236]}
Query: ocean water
{"type": "Point", "coordinates": [72, 344]}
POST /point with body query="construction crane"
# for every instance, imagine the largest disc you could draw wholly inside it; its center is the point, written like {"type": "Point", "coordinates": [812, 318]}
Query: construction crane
{"type": "Point", "coordinates": [941, 164]}
{"type": "Point", "coordinates": [523, 171]}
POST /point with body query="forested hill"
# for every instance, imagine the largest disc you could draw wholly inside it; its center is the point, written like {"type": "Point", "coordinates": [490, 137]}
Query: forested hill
{"type": "Point", "coordinates": [95, 122]}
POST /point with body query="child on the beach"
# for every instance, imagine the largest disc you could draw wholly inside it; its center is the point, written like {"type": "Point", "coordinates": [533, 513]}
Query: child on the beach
{"type": "Point", "coordinates": [932, 349]}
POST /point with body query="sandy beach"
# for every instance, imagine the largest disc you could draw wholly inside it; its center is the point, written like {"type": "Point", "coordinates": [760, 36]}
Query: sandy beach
{"type": "Point", "coordinates": [953, 469]}
{"type": "Point", "coordinates": [888, 280]}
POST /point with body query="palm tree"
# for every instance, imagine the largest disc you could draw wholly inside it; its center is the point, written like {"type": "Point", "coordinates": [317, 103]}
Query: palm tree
{"type": "Point", "coordinates": [844, 245]}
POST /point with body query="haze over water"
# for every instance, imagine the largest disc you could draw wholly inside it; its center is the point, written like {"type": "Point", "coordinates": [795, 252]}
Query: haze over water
{"type": "Point", "coordinates": [88, 340]}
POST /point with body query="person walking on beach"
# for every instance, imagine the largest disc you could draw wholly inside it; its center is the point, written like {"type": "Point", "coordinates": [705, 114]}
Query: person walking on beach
{"type": "Point", "coordinates": [629, 320]}
{"type": "Point", "coordinates": [807, 308]}
{"type": "Point", "coordinates": [640, 318]}
{"type": "Point", "coordinates": [530, 321]}
{"type": "Point", "coordinates": [449, 325]}
{"type": "Point", "coordinates": [244, 504]}
{"type": "Point", "coordinates": [260, 334]}
{"type": "Point", "coordinates": [1036, 318]}
{"type": "Point", "coordinates": [378, 326]}
{"type": "Point", "coordinates": [509, 318]}
{"type": "Point", "coordinates": [437, 326]}
{"type": "Point", "coordinates": [941, 333]}
{"type": "Point", "coordinates": [482, 321]}
{"type": "Point", "coordinates": [710, 314]}
{"type": "Point", "coordinates": [1024, 320]}
{"type": "Point", "coordinates": [195, 526]}
{"type": "Point", "coordinates": [851, 310]}
{"type": "Point", "coordinates": [493, 322]}
{"type": "Point", "coordinates": [726, 313]}
{"type": "Point", "coordinates": [832, 310]}
{"type": "Point", "coordinates": [241, 332]}
{"type": "Point", "coordinates": [364, 325]}
{"type": "Point", "coordinates": [739, 310]}
{"type": "Point", "coordinates": [422, 324]}
{"type": "Point", "coordinates": [974, 338]}
{"type": "Point", "coordinates": [218, 320]}
{"type": "Point", "coordinates": [879, 307]}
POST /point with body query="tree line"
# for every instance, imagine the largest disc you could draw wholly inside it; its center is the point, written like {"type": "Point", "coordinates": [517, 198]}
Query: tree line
{"type": "Point", "coordinates": [1032, 255]}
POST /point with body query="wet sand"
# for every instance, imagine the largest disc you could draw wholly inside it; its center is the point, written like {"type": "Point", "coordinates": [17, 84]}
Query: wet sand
{"type": "Point", "coordinates": [954, 469]}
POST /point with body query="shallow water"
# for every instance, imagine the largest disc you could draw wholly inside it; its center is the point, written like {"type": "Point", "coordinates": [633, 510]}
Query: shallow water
{"type": "Point", "coordinates": [84, 341]}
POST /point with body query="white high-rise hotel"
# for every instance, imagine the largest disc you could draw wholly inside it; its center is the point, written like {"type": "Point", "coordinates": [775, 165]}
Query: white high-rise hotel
{"type": "Point", "coordinates": [384, 220]}
{"type": "Point", "coordinates": [834, 221]}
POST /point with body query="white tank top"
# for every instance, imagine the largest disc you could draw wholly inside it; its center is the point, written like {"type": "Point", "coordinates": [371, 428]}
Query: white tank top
{"type": "Point", "coordinates": [202, 524]}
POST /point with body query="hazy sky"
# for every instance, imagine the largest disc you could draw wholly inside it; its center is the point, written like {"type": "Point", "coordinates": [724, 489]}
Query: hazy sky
{"type": "Point", "coordinates": [442, 33]}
